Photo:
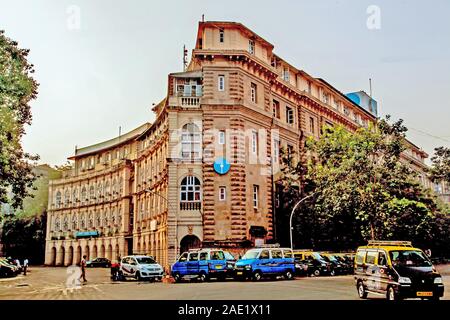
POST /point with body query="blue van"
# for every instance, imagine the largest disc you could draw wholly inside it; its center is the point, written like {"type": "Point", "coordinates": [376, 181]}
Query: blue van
{"type": "Point", "coordinates": [265, 262]}
{"type": "Point", "coordinates": [203, 264]}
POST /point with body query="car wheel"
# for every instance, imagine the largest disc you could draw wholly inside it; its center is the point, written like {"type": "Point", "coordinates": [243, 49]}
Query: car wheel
{"type": "Point", "coordinates": [138, 276]}
{"type": "Point", "coordinates": [288, 275]}
{"type": "Point", "coordinates": [316, 273]}
{"type": "Point", "coordinates": [257, 275]}
{"type": "Point", "coordinates": [177, 277]}
{"type": "Point", "coordinates": [391, 295]}
{"type": "Point", "coordinates": [362, 293]}
{"type": "Point", "coordinates": [332, 273]}
{"type": "Point", "coordinates": [202, 277]}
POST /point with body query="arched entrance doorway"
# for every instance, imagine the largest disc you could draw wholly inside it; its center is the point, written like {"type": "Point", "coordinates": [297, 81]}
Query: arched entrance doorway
{"type": "Point", "coordinates": [62, 256]}
{"type": "Point", "coordinates": [70, 256]}
{"type": "Point", "coordinates": [189, 242]}
{"type": "Point", "coordinates": [77, 258]}
{"type": "Point", "coordinates": [102, 251]}
{"type": "Point", "coordinates": [53, 256]}
{"type": "Point", "coordinates": [86, 252]}
{"type": "Point", "coordinates": [109, 252]}
{"type": "Point", "coordinates": [94, 252]}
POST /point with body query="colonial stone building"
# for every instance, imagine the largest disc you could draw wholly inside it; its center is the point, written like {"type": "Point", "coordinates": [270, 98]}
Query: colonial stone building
{"type": "Point", "coordinates": [203, 173]}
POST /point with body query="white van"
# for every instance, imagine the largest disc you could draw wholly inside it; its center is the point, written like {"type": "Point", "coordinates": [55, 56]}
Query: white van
{"type": "Point", "coordinates": [140, 268]}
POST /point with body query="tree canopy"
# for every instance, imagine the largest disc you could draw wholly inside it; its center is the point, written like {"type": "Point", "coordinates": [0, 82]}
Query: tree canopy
{"type": "Point", "coordinates": [363, 189]}
{"type": "Point", "coordinates": [17, 89]}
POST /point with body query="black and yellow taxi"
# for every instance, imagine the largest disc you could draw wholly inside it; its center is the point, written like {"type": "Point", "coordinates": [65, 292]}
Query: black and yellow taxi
{"type": "Point", "coordinates": [397, 270]}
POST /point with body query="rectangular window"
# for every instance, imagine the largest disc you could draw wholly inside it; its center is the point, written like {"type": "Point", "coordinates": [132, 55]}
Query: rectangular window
{"type": "Point", "coordinates": [309, 87]}
{"type": "Point", "coordinates": [311, 125]}
{"type": "Point", "coordinates": [346, 111]}
{"type": "Point", "coordinates": [222, 193]}
{"type": "Point", "coordinates": [276, 109]}
{"type": "Point", "coordinates": [253, 92]}
{"type": "Point", "coordinates": [285, 74]}
{"type": "Point", "coordinates": [251, 46]}
{"type": "Point", "coordinates": [255, 196]}
{"type": "Point", "coordinates": [276, 151]}
{"type": "Point", "coordinates": [290, 151]}
{"type": "Point", "coordinates": [254, 142]}
{"type": "Point", "coordinates": [221, 83]}
{"type": "Point", "coordinates": [221, 35]}
{"type": "Point", "coordinates": [289, 115]}
{"type": "Point", "coordinates": [326, 98]}
{"type": "Point", "coordinates": [222, 137]}
{"type": "Point", "coordinates": [370, 257]}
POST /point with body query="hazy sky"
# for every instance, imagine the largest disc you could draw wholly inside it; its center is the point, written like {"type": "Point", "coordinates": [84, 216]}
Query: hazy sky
{"type": "Point", "coordinates": [108, 72]}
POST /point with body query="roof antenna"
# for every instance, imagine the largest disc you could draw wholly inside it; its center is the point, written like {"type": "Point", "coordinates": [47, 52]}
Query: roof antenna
{"type": "Point", "coordinates": [185, 52]}
{"type": "Point", "coordinates": [120, 132]}
{"type": "Point", "coordinates": [203, 18]}
{"type": "Point", "coordinates": [370, 87]}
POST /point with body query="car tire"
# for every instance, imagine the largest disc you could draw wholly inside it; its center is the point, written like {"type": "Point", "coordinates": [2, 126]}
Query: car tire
{"type": "Point", "coordinates": [202, 277]}
{"type": "Point", "coordinates": [332, 273]}
{"type": "Point", "coordinates": [177, 277]}
{"type": "Point", "coordinates": [391, 295]}
{"type": "Point", "coordinates": [362, 293]}
{"type": "Point", "coordinates": [288, 275]}
{"type": "Point", "coordinates": [257, 276]}
{"type": "Point", "coordinates": [138, 276]}
{"type": "Point", "coordinates": [316, 273]}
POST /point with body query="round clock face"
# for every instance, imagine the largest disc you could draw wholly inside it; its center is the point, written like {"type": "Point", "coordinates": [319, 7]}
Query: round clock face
{"type": "Point", "coordinates": [221, 166]}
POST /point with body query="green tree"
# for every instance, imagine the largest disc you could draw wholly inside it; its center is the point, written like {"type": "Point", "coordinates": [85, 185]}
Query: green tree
{"type": "Point", "coordinates": [440, 169]}
{"type": "Point", "coordinates": [17, 89]}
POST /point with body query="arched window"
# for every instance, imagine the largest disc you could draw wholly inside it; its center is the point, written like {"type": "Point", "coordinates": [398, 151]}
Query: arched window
{"type": "Point", "coordinates": [99, 190]}
{"type": "Point", "coordinates": [107, 190]}
{"type": "Point", "coordinates": [74, 222]}
{"type": "Point", "coordinates": [67, 197]}
{"type": "Point", "coordinates": [83, 222]}
{"type": "Point", "coordinates": [99, 220]}
{"type": "Point", "coordinates": [57, 225]}
{"type": "Point", "coordinates": [84, 194]}
{"type": "Point", "coordinates": [114, 187]}
{"type": "Point", "coordinates": [74, 195]}
{"type": "Point", "coordinates": [58, 198]}
{"type": "Point", "coordinates": [190, 189]}
{"type": "Point", "coordinates": [190, 141]}
{"type": "Point", "coordinates": [91, 221]}
{"type": "Point", "coordinates": [92, 192]}
{"type": "Point", "coordinates": [65, 223]}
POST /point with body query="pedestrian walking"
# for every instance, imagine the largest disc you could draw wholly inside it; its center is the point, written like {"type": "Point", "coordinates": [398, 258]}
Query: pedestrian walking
{"type": "Point", "coordinates": [83, 269]}
{"type": "Point", "coordinates": [25, 266]}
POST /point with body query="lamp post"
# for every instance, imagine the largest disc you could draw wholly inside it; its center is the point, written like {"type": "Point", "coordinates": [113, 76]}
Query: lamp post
{"type": "Point", "coordinates": [292, 214]}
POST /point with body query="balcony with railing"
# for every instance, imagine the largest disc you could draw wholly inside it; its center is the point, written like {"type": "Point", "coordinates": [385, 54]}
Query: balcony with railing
{"type": "Point", "coordinates": [188, 205]}
{"type": "Point", "coordinates": [187, 90]}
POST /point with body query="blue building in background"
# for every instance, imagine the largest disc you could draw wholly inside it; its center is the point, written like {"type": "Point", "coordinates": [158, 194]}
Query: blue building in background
{"type": "Point", "coordinates": [362, 99]}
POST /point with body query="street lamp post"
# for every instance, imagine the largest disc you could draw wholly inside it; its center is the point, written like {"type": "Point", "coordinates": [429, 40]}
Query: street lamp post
{"type": "Point", "coordinates": [292, 214]}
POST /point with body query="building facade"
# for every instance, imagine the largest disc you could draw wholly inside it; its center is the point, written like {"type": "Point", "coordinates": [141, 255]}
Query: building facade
{"type": "Point", "coordinates": [203, 173]}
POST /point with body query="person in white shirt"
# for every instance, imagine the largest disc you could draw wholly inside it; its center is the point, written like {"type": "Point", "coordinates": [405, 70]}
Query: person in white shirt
{"type": "Point", "coordinates": [25, 266]}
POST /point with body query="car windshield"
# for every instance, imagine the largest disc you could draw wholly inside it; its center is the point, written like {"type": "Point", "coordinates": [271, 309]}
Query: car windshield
{"type": "Point", "coordinates": [317, 256]}
{"type": "Point", "coordinates": [409, 258]}
{"type": "Point", "coordinates": [332, 258]}
{"type": "Point", "coordinates": [145, 260]}
{"type": "Point", "coordinates": [251, 254]}
{"type": "Point", "coordinates": [229, 256]}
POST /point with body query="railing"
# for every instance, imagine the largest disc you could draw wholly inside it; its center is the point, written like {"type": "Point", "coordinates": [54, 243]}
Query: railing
{"type": "Point", "coordinates": [186, 102]}
{"type": "Point", "coordinates": [190, 205]}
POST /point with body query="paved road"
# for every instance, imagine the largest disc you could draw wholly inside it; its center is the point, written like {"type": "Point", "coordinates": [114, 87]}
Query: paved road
{"type": "Point", "coordinates": [50, 283]}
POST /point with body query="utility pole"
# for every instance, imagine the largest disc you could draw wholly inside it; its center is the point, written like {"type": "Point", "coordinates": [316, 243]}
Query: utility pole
{"type": "Point", "coordinates": [184, 58]}
{"type": "Point", "coordinates": [292, 214]}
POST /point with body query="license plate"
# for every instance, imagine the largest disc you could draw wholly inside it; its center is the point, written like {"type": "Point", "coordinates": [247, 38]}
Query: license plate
{"type": "Point", "coordinates": [218, 266]}
{"type": "Point", "coordinates": [239, 273]}
{"type": "Point", "coordinates": [424, 294]}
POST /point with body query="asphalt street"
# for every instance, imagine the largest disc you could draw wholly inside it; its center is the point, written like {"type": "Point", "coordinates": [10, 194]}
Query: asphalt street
{"type": "Point", "coordinates": [55, 283]}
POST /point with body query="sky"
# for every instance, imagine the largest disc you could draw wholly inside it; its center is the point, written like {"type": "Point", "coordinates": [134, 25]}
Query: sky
{"type": "Point", "coordinates": [102, 64]}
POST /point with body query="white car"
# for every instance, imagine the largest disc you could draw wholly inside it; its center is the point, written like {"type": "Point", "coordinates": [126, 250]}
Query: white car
{"type": "Point", "coordinates": [140, 268]}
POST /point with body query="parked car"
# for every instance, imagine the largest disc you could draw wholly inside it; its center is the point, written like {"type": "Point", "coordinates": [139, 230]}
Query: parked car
{"type": "Point", "coordinates": [316, 265]}
{"type": "Point", "coordinates": [338, 267]}
{"type": "Point", "coordinates": [140, 268]}
{"type": "Point", "coordinates": [347, 261]}
{"type": "Point", "coordinates": [397, 270]}
{"type": "Point", "coordinates": [203, 264]}
{"type": "Point", "coordinates": [7, 269]}
{"type": "Point", "coordinates": [266, 262]}
{"type": "Point", "coordinates": [301, 268]}
{"type": "Point", "coordinates": [98, 262]}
